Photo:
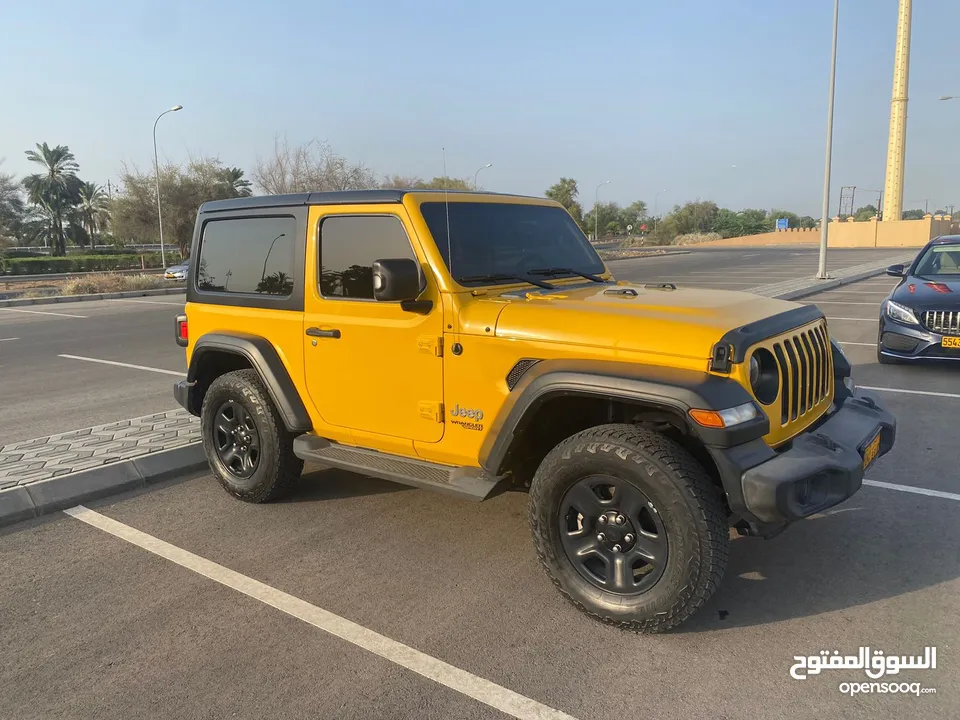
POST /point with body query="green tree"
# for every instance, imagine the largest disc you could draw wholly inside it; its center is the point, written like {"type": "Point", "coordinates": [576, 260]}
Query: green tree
{"type": "Point", "coordinates": [605, 218]}
{"type": "Point", "coordinates": [807, 222]}
{"type": "Point", "coordinates": [12, 209]}
{"type": "Point", "coordinates": [54, 190]}
{"type": "Point", "coordinates": [92, 209]}
{"type": "Point", "coordinates": [444, 183]}
{"type": "Point", "coordinates": [913, 214]}
{"type": "Point", "coordinates": [865, 213]}
{"type": "Point", "coordinates": [183, 189]}
{"type": "Point", "coordinates": [237, 183]}
{"type": "Point", "coordinates": [633, 214]}
{"type": "Point", "coordinates": [566, 192]}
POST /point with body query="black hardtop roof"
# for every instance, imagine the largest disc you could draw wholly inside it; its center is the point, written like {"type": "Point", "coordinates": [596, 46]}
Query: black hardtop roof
{"type": "Point", "coordinates": [341, 197]}
{"type": "Point", "coordinates": [946, 240]}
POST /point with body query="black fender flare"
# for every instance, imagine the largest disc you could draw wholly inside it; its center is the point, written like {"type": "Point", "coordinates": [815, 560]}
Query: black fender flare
{"type": "Point", "coordinates": [263, 357]}
{"type": "Point", "coordinates": [671, 389]}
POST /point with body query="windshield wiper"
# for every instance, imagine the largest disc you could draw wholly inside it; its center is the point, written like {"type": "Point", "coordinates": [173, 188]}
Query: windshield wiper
{"type": "Point", "coordinates": [565, 271]}
{"type": "Point", "coordinates": [500, 277]}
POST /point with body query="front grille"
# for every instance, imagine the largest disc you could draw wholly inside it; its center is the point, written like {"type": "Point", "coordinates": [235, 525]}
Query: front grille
{"type": "Point", "coordinates": [943, 322]}
{"type": "Point", "coordinates": [806, 367]}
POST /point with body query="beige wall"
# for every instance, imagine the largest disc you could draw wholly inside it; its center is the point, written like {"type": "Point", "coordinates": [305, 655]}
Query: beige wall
{"type": "Point", "coordinates": [848, 234]}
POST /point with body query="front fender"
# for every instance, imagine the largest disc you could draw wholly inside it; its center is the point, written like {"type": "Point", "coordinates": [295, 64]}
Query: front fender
{"type": "Point", "coordinates": [652, 386]}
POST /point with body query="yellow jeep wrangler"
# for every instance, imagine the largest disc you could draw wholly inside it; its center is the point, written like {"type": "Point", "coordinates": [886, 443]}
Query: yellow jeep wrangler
{"type": "Point", "coordinates": [470, 342]}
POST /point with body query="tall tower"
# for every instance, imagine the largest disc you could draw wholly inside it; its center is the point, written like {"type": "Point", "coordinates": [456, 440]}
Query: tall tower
{"type": "Point", "coordinates": [896, 152]}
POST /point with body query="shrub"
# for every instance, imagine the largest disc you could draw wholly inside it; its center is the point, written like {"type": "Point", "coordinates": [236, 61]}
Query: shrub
{"type": "Point", "coordinates": [79, 263]}
{"type": "Point", "coordinates": [109, 282]}
{"type": "Point", "coordinates": [695, 238]}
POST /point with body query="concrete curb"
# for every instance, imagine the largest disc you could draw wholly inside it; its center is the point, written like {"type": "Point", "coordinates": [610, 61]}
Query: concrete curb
{"type": "Point", "coordinates": [795, 289]}
{"type": "Point", "coordinates": [828, 285]}
{"type": "Point", "coordinates": [57, 299]}
{"type": "Point", "coordinates": [23, 502]}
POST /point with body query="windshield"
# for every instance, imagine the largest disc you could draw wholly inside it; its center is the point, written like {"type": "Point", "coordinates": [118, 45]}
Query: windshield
{"type": "Point", "coordinates": [499, 243]}
{"type": "Point", "coordinates": [939, 260]}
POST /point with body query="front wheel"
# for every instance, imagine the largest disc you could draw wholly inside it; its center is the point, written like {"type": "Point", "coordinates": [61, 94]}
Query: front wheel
{"type": "Point", "coordinates": [629, 527]}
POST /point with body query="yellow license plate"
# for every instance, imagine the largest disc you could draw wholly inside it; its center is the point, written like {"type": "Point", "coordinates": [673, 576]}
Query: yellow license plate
{"type": "Point", "coordinates": [871, 452]}
{"type": "Point", "coordinates": [951, 342]}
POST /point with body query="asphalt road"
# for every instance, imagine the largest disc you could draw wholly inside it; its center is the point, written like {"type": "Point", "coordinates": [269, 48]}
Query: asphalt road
{"type": "Point", "coordinates": [98, 626]}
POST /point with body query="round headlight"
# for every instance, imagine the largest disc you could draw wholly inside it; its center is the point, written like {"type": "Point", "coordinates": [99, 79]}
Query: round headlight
{"type": "Point", "coordinates": [754, 370]}
{"type": "Point", "coordinates": [764, 376]}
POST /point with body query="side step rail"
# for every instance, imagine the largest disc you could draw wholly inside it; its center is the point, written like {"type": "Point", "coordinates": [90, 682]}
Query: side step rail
{"type": "Point", "coordinates": [467, 482]}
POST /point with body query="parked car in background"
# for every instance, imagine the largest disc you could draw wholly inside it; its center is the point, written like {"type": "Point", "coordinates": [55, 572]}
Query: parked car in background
{"type": "Point", "coordinates": [178, 272]}
{"type": "Point", "coordinates": [920, 319]}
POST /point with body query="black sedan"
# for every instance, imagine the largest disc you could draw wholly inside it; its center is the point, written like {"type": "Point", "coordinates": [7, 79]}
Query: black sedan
{"type": "Point", "coordinates": [920, 319]}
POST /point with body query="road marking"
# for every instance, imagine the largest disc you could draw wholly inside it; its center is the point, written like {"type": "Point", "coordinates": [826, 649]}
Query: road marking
{"type": "Point", "coordinates": [857, 292]}
{"type": "Point", "coordinates": [853, 343]}
{"type": "Point", "coordinates": [837, 302]}
{"type": "Point", "coordinates": [8, 339]}
{"type": "Point", "coordinates": [876, 320]}
{"type": "Point", "coordinates": [42, 312]}
{"type": "Point", "coordinates": [909, 392]}
{"type": "Point", "coordinates": [911, 489]}
{"type": "Point", "coordinates": [478, 688]}
{"type": "Point", "coordinates": [147, 302]}
{"type": "Point", "coordinates": [120, 364]}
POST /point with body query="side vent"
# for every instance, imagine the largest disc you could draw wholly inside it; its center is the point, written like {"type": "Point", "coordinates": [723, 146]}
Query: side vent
{"type": "Point", "coordinates": [517, 371]}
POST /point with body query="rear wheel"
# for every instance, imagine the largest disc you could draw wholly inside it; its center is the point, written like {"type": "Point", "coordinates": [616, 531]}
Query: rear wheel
{"type": "Point", "coordinates": [247, 445]}
{"type": "Point", "coordinates": [629, 527]}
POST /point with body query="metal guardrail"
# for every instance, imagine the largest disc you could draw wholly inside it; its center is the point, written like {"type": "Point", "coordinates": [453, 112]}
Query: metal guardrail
{"type": "Point", "coordinates": [15, 279]}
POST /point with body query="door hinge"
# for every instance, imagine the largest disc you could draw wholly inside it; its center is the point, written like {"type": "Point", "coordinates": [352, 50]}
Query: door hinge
{"type": "Point", "coordinates": [430, 410]}
{"type": "Point", "coordinates": [430, 344]}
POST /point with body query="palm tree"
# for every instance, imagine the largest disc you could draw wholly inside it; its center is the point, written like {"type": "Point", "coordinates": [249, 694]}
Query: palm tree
{"type": "Point", "coordinates": [239, 185]}
{"type": "Point", "coordinates": [92, 209]}
{"type": "Point", "coordinates": [55, 189]}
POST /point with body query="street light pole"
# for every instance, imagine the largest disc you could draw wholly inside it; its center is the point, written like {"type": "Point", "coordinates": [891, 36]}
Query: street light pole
{"type": "Point", "coordinates": [488, 165]}
{"type": "Point", "coordinates": [825, 219]}
{"type": "Point", "coordinates": [156, 165]}
{"type": "Point", "coordinates": [656, 210]}
{"type": "Point", "coordinates": [596, 210]}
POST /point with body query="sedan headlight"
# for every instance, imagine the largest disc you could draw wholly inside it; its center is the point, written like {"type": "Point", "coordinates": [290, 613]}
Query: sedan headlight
{"type": "Point", "coordinates": [901, 314]}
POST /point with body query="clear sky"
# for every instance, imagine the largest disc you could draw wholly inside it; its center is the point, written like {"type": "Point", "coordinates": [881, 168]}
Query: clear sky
{"type": "Point", "coordinates": [650, 95]}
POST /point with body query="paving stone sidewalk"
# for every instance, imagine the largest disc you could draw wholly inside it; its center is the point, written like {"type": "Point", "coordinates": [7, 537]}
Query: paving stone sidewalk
{"type": "Point", "coordinates": [39, 459]}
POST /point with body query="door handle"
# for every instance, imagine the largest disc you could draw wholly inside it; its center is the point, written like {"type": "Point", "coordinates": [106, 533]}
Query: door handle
{"type": "Point", "coordinates": [317, 332]}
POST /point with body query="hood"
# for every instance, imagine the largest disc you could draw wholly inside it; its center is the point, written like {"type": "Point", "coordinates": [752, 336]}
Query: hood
{"type": "Point", "coordinates": [633, 317]}
{"type": "Point", "coordinates": [941, 293]}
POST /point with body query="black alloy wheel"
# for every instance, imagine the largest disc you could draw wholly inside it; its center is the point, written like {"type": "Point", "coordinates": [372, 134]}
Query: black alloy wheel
{"type": "Point", "coordinates": [613, 535]}
{"type": "Point", "coordinates": [237, 440]}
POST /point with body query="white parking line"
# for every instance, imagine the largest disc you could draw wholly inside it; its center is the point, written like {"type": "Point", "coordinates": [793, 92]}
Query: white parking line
{"type": "Point", "coordinates": [8, 339]}
{"type": "Point", "coordinates": [42, 312]}
{"type": "Point", "coordinates": [147, 302]}
{"type": "Point", "coordinates": [857, 292]}
{"type": "Point", "coordinates": [911, 489]}
{"type": "Point", "coordinates": [909, 392]}
{"type": "Point", "coordinates": [841, 342]}
{"type": "Point", "coordinates": [478, 688]}
{"type": "Point", "coordinates": [876, 320]}
{"type": "Point", "coordinates": [837, 302]}
{"type": "Point", "coordinates": [121, 364]}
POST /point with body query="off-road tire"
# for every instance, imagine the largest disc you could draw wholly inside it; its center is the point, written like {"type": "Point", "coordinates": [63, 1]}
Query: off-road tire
{"type": "Point", "coordinates": [690, 506]}
{"type": "Point", "coordinates": [277, 468]}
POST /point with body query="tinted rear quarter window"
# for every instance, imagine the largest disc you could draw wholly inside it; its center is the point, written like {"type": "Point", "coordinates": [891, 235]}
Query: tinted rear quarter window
{"type": "Point", "coordinates": [252, 255]}
{"type": "Point", "coordinates": [349, 245]}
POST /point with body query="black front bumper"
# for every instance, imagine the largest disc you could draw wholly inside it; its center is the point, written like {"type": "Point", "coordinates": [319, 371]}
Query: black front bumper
{"type": "Point", "coordinates": [768, 489]}
{"type": "Point", "coordinates": [912, 342]}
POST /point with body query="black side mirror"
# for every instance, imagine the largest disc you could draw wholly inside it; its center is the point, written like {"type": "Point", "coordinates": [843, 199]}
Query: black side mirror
{"type": "Point", "coordinates": [895, 271]}
{"type": "Point", "coordinates": [396, 279]}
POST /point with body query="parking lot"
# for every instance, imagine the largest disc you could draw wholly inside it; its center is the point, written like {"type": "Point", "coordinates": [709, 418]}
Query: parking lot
{"type": "Point", "coordinates": [356, 598]}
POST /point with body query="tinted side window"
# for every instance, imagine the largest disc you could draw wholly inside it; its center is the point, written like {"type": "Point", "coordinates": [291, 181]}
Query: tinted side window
{"type": "Point", "coordinates": [348, 247]}
{"type": "Point", "coordinates": [248, 255]}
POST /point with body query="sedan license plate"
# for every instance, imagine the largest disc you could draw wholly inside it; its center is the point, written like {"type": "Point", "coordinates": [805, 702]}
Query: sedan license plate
{"type": "Point", "coordinates": [951, 342]}
{"type": "Point", "coordinates": [871, 452]}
